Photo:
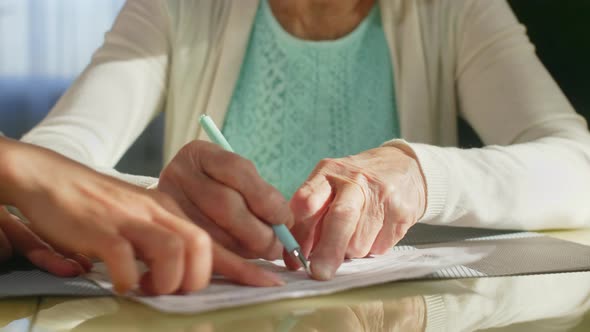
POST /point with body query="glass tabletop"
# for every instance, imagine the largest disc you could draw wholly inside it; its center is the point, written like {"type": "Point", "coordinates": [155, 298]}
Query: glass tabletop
{"type": "Point", "coordinates": [549, 302]}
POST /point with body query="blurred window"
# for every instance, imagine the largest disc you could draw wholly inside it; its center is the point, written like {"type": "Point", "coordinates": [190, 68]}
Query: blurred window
{"type": "Point", "coordinates": [44, 45]}
{"type": "Point", "coordinates": [52, 38]}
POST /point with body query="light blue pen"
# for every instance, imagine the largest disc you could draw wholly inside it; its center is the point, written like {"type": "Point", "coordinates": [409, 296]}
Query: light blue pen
{"type": "Point", "coordinates": [281, 231]}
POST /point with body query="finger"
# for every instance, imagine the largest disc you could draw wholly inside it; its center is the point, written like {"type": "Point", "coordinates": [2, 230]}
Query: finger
{"type": "Point", "coordinates": [311, 197]}
{"type": "Point", "coordinates": [198, 254]}
{"type": "Point", "coordinates": [338, 227]}
{"type": "Point", "coordinates": [84, 261]}
{"type": "Point", "coordinates": [310, 229]}
{"type": "Point", "coordinates": [217, 233]}
{"type": "Point", "coordinates": [369, 226]}
{"type": "Point", "coordinates": [309, 205]}
{"type": "Point", "coordinates": [383, 241]}
{"type": "Point", "coordinates": [163, 252]}
{"type": "Point", "coordinates": [242, 272]}
{"type": "Point", "coordinates": [307, 234]}
{"type": "Point", "coordinates": [265, 201]}
{"type": "Point", "coordinates": [26, 243]}
{"type": "Point", "coordinates": [228, 209]}
{"type": "Point", "coordinates": [54, 263]}
{"type": "Point", "coordinates": [391, 233]}
{"type": "Point", "coordinates": [118, 255]}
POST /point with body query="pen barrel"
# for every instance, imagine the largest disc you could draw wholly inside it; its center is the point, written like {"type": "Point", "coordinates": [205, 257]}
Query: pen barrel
{"type": "Point", "coordinates": [214, 133]}
{"type": "Point", "coordinates": [286, 238]}
{"type": "Point", "coordinates": [281, 231]}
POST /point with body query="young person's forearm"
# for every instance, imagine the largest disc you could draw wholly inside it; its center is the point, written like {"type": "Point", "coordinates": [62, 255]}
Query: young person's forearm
{"type": "Point", "coordinates": [11, 176]}
{"type": "Point", "coordinates": [6, 172]}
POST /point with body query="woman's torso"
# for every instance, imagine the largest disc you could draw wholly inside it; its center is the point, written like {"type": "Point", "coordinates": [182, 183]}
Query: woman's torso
{"type": "Point", "coordinates": [297, 102]}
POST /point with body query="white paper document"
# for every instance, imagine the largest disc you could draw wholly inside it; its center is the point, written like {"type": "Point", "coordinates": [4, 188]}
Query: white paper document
{"type": "Point", "coordinates": [397, 264]}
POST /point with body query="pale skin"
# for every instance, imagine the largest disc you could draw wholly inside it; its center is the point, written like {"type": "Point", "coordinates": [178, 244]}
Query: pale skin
{"type": "Point", "coordinates": [348, 208]}
{"type": "Point", "coordinates": [358, 205]}
{"type": "Point", "coordinates": [77, 214]}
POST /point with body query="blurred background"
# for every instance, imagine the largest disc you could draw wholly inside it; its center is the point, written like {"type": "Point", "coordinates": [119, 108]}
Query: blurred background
{"type": "Point", "coordinates": [45, 44]}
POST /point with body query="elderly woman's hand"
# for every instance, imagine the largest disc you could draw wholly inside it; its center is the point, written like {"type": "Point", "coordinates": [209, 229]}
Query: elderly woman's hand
{"type": "Point", "coordinates": [223, 194]}
{"type": "Point", "coordinates": [355, 206]}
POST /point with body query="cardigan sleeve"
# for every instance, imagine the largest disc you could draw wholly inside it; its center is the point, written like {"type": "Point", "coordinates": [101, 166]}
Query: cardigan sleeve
{"type": "Point", "coordinates": [116, 96]}
{"type": "Point", "coordinates": [534, 172]}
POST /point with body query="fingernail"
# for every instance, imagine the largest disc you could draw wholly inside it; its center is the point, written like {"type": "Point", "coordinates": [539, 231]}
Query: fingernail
{"type": "Point", "coordinates": [77, 268]}
{"type": "Point", "coordinates": [322, 271]}
{"type": "Point", "coordinates": [273, 279]}
{"type": "Point", "coordinates": [84, 261]}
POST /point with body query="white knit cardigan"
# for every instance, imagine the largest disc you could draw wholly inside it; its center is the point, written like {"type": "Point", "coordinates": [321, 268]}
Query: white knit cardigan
{"type": "Point", "coordinates": [451, 58]}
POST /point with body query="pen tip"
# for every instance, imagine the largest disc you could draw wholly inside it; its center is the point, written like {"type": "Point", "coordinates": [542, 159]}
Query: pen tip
{"type": "Point", "coordinates": [304, 262]}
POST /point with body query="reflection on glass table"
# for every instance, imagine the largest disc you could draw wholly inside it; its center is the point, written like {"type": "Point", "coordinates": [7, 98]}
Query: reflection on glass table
{"type": "Point", "coordinates": [555, 302]}
{"type": "Point", "coordinates": [16, 314]}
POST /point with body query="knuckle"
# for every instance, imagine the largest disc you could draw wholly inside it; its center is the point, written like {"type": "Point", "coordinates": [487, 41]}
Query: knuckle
{"type": "Point", "coordinates": [301, 198]}
{"type": "Point", "coordinates": [326, 162]}
{"type": "Point", "coordinates": [274, 199]}
{"type": "Point", "coordinates": [228, 206]}
{"type": "Point", "coordinates": [221, 195]}
{"type": "Point", "coordinates": [116, 245]}
{"type": "Point", "coordinates": [343, 210]}
{"type": "Point", "coordinates": [199, 241]}
{"type": "Point", "coordinates": [358, 178]}
{"type": "Point", "coordinates": [190, 147]}
{"type": "Point", "coordinates": [275, 209]}
{"type": "Point", "coordinates": [395, 201]}
{"type": "Point", "coordinates": [172, 244]}
{"type": "Point", "coordinates": [305, 203]}
{"type": "Point", "coordinates": [247, 165]}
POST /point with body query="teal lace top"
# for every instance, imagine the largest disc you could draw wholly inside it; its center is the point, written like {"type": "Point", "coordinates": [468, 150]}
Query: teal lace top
{"type": "Point", "coordinates": [297, 102]}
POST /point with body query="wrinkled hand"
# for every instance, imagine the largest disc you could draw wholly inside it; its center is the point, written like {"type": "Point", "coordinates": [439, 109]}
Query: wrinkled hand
{"type": "Point", "coordinates": [78, 210]}
{"type": "Point", "coordinates": [223, 194]}
{"type": "Point", "coordinates": [17, 238]}
{"type": "Point", "coordinates": [355, 206]}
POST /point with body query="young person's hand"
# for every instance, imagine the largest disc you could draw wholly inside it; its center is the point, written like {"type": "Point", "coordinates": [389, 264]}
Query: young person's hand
{"type": "Point", "coordinates": [223, 194]}
{"type": "Point", "coordinates": [17, 239]}
{"type": "Point", "coordinates": [78, 210]}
